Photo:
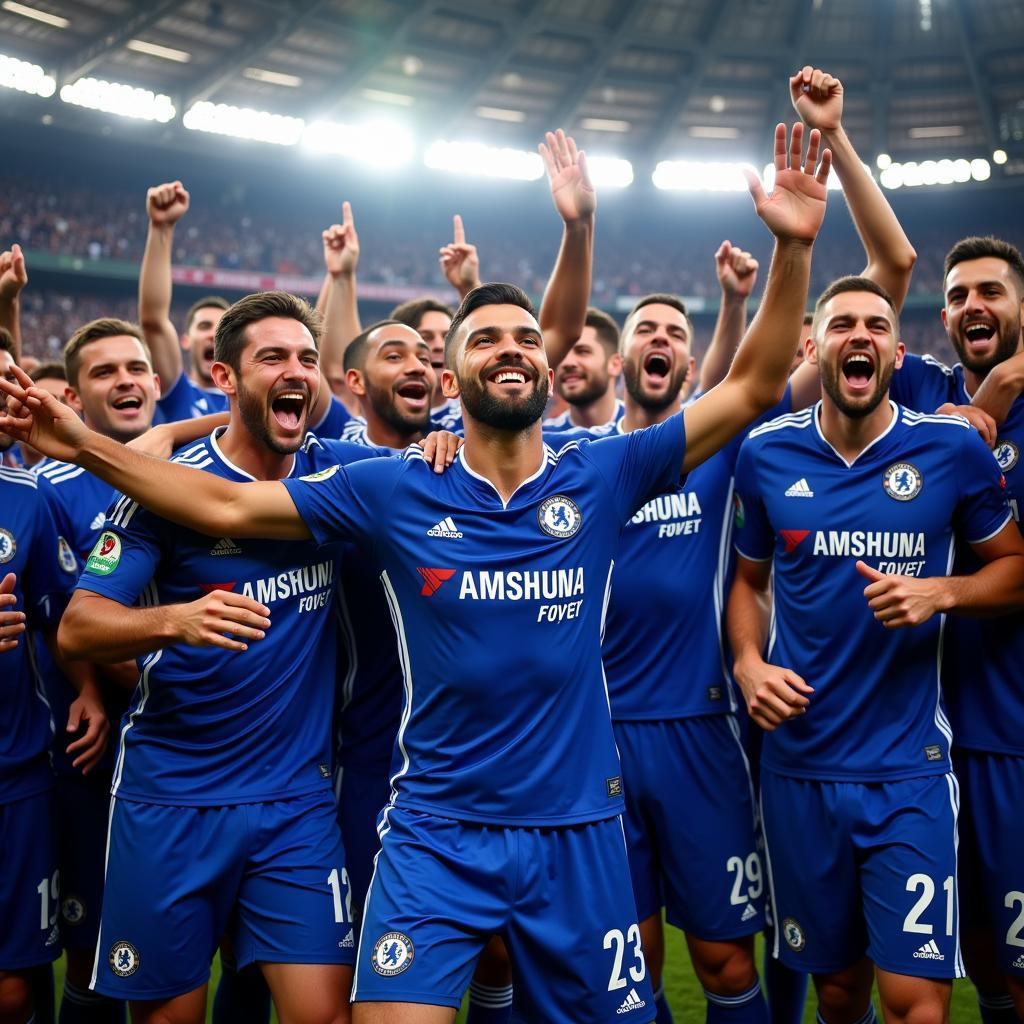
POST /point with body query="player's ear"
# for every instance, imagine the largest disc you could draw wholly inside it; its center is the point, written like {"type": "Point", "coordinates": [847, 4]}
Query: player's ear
{"type": "Point", "coordinates": [224, 377]}
{"type": "Point", "coordinates": [450, 383]}
{"type": "Point", "coordinates": [355, 382]}
{"type": "Point", "coordinates": [157, 390]}
{"type": "Point", "coordinates": [71, 397]}
{"type": "Point", "coordinates": [901, 351]}
{"type": "Point", "coordinates": [811, 350]}
{"type": "Point", "coordinates": [185, 341]}
{"type": "Point", "coordinates": [614, 364]}
{"type": "Point", "coordinates": [945, 320]}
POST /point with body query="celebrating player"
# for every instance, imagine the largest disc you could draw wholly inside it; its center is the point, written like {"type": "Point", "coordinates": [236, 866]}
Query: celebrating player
{"type": "Point", "coordinates": [858, 797]}
{"type": "Point", "coordinates": [498, 821]}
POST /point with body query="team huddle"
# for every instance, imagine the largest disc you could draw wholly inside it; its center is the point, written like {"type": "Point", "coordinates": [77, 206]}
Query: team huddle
{"type": "Point", "coordinates": [335, 654]}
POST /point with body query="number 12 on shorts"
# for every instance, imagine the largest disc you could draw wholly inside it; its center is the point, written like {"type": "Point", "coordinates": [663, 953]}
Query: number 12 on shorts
{"type": "Point", "coordinates": [926, 887]}
{"type": "Point", "coordinates": [342, 893]}
{"type": "Point", "coordinates": [614, 939]}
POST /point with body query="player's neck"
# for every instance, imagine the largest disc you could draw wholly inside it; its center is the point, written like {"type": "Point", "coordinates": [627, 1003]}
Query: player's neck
{"type": "Point", "coordinates": [594, 414]}
{"type": "Point", "coordinates": [504, 457]}
{"type": "Point", "coordinates": [244, 452]}
{"type": "Point", "coordinates": [850, 435]}
{"type": "Point", "coordinates": [438, 401]}
{"type": "Point", "coordinates": [637, 416]}
{"type": "Point", "coordinates": [386, 435]}
{"type": "Point", "coordinates": [206, 385]}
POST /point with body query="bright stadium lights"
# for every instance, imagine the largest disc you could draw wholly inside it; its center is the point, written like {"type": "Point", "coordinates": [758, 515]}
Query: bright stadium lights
{"type": "Point", "coordinates": [934, 172]}
{"type": "Point", "coordinates": [272, 77]}
{"type": "Point", "coordinates": [937, 131]}
{"type": "Point", "coordinates": [609, 171]}
{"type": "Point", "coordinates": [834, 184]}
{"type": "Point", "coordinates": [713, 131]}
{"type": "Point", "coordinates": [605, 124]}
{"type": "Point", "coordinates": [381, 143]}
{"type": "Point", "coordinates": [244, 123]}
{"type": "Point", "coordinates": [699, 176]}
{"type": "Point", "coordinates": [999, 156]}
{"type": "Point", "coordinates": [882, 161]}
{"type": "Point", "coordinates": [54, 20]}
{"type": "Point", "coordinates": [396, 99]}
{"type": "Point", "coordinates": [156, 50]}
{"type": "Point", "coordinates": [25, 77]}
{"type": "Point", "coordinates": [119, 98]}
{"type": "Point", "coordinates": [501, 114]}
{"type": "Point", "coordinates": [478, 160]}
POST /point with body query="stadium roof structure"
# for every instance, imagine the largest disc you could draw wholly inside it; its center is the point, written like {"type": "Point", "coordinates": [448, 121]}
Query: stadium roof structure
{"type": "Point", "coordinates": [644, 80]}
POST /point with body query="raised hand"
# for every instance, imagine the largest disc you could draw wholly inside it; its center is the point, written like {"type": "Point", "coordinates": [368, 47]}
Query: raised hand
{"type": "Point", "coordinates": [571, 188]}
{"type": "Point", "coordinates": [460, 262]}
{"type": "Point", "coordinates": [341, 245]}
{"type": "Point", "coordinates": [818, 98]}
{"type": "Point", "coordinates": [34, 416]}
{"type": "Point", "coordinates": [13, 274]}
{"type": "Point", "coordinates": [12, 622]}
{"type": "Point", "coordinates": [736, 270]}
{"type": "Point", "coordinates": [796, 207]}
{"type": "Point", "coordinates": [167, 204]}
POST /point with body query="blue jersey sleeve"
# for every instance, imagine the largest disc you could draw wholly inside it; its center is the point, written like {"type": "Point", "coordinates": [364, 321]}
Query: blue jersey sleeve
{"type": "Point", "coordinates": [50, 571]}
{"type": "Point", "coordinates": [922, 383]}
{"type": "Point", "coordinates": [641, 464]}
{"type": "Point", "coordinates": [753, 536]}
{"type": "Point", "coordinates": [125, 557]}
{"type": "Point", "coordinates": [347, 503]}
{"type": "Point", "coordinates": [185, 401]}
{"type": "Point", "coordinates": [983, 508]}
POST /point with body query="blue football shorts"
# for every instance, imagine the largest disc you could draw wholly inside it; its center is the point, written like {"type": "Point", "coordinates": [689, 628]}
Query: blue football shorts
{"type": "Point", "coordinates": [269, 876]}
{"type": "Point", "coordinates": [992, 850]}
{"type": "Point", "coordinates": [690, 825]}
{"type": "Point", "coordinates": [864, 869]}
{"type": "Point", "coordinates": [559, 897]}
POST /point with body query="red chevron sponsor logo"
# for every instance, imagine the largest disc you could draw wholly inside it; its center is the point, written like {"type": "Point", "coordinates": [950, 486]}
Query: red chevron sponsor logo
{"type": "Point", "coordinates": [792, 538]}
{"type": "Point", "coordinates": [209, 588]}
{"type": "Point", "coordinates": [433, 578]}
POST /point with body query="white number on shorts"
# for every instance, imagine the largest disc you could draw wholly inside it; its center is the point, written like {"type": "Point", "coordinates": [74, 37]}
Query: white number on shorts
{"type": "Point", "coordinates": [1013, 936]}
{"type": "Point", "coordinates": [638, 970]}
{"type": "Point", "coordinates": [911, 922]}
{"type": "Point", "coordinates": [48, 889]}
{"type": "Point", "coordinates": [341, 913]}
{"type": "Point", "coordinates": [749, 870]}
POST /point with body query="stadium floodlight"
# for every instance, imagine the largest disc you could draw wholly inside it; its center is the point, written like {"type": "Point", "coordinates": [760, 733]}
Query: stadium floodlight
{"type": "Point", "coordinates": [119, 98]}
{"type": "Point", "coordinates": [478, 160]}
{"type": "Point", "coordinates": [882, 161]}
{"type": "Point", "coordinates": [25, 77]}
{"type": "Point", "coordinates": [244, 123]}
{"type": "Point", "coordinates": [700, 176]}
{"type": "Point", "coordinates": [156, 50]}
{"type": "Point", "coordinates": [501, 114]}
{"type": "Point", "coordinates": [834, 184]}
{"type": "Point", "coordinates": [999, 156]}
{"type": "Point", "coordinates": [396, 99]}
{"type": "Point", "coordinates": [981, 169]}
{"type": "Point", "coordinates": [383, 143]}
{"type": "Point", "coordinates": [272, 77]}
{"type": "Point", "coordinates": [605, 124]}
{"type": "Point", "coordinates": [609, 171]}
{"type": "Point", "coordinates": [54, 20]}
{"type": "Point", "coordinates": [892, 176]}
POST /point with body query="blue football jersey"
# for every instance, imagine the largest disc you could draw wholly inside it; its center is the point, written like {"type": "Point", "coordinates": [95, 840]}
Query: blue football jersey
{"type": "Point", "coordinates": [498, 609]}
{"type": "Point", "coordinates": [563, 422]}
{"type": "Point", "coordinates": [333, 421]}
{"type": "Point", "coordinates": [877, 709]}
{"type": "Point", "coordinates": [186, 400]}
{"type": "Point", "coordinates": [447, 416]}
{"type": "Point", "coordinates": [208, 727]}
{"type": "Point", "coordinates": [45, 568]}
{"type": "Point", "coordinates": [983, 657]}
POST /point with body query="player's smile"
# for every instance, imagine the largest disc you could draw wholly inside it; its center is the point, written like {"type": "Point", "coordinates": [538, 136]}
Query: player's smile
{"type": "Point", "coordinates": [289, 406]}
{"type": "Point", "coordinates": [857, 368]}
{"type": "Point", "coordinates": [414, 393]}
{"type": "Point", "coordinates": [657, 365]}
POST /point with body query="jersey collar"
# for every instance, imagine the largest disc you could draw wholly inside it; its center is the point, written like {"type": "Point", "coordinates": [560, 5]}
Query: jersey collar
{"type": "Point", "coordinates": [547, 459]}
{"type": "Point", "coordinates": [849, 465]}
{"type": "Point", "coordinates": [215, 448]}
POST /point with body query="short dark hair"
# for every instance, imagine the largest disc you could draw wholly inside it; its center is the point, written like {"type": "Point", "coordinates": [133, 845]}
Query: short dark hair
{"type": "Point", "coordinates": [808, 319]}
{"type": "Point", "coordinates": [978, 247]}
{"type": "Point", "coordinates": [6, 341]}
{"type": "Point", "coordinates": [411, 313]}
{"type": "Point", "coordinates": [229, 341]}
{"type": "Point", "coordinates": [97, 330]}
{"type": "Point", "coordinates": [605, 327]}
{"type": "Point", "coordinates": [51, 369]}
{"type": "Point", "coordinates": [484, 295]}
{"type": "Point", "coordinates": [355, 353]}
{"type": "Point", "coordinates": [854, 283]}
{"type": "Point", "coordinates": [661, 299]}
{"type": "Point", "coordinates": [216, 301]}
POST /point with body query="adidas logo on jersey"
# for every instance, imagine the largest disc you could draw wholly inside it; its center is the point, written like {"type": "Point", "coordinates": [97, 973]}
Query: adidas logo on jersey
{"type": "Point", "coordinates": [348, 942]}
{"type": "Point", "coordinates": [445, 528]}
{"type": "Point", "coordinates": [748, 912]}
{"type": "Point", "coordinates": [1019, 962]}
{"type": "Point", "coordinates": [97, 523]}
{"type": "Point", "coordinates": [631, 1002]}
{"type": "Point", "coordinates": [801, 489]}
{"type": "Point", "coordinates": [929, 951]}
{"type": "Point", "coordinates": [225, 546]}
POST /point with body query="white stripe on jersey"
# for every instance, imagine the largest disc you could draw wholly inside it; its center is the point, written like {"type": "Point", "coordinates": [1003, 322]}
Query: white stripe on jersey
{"type": "Point", "coordinates": [932, 361]}
{"type": "Point", "coordinates": [724, 546]}
{"type": "Point", "coordinates": [106, 860]}
{"type": "Point", "coordinates": [954, 800]}
{"type": "Point", "coordinates": [941, 721]}
{"type": "Point", "coordinates": [406, 665]}
{"type": "Point", "coordinates": [797, 420]}
{"type": "Point", "coordinates": [144, 684]}
{"type": "Point", "coordinates": [58, 472]}
{"type": "Point", "coordinates": [913, 419]}
{"type": "Point", "coordinates": [777, 929]}
{"type": "Point", "coordinates": [13, 475]}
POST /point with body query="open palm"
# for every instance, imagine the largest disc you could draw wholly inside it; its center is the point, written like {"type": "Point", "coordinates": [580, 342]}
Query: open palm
{"type": "Point", "coordinates": [571, 188]}
{"type": "Point", "coordinates": [795, 208]}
